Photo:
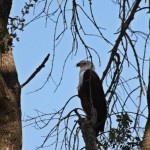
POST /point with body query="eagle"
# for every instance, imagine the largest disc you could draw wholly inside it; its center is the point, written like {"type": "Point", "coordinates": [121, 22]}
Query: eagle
{"type": "Point", "coordinates": [91, 94]}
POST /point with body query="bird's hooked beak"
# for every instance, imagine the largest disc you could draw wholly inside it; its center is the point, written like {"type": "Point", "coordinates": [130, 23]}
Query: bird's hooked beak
{"type": "Point", "coordinates": [78, 65]}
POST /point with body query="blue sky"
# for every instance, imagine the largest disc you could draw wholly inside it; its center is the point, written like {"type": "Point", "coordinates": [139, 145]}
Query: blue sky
{"type": "Point", "coordinates": [36, 42]}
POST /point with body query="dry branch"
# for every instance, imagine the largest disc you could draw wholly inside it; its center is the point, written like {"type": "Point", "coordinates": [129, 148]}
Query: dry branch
{"type": "Point", "coordinates": [88, 134]}
{"type": "Point", "coordinates": [36, 71]}
{"type": "Point", "coordinates": [124, 27]}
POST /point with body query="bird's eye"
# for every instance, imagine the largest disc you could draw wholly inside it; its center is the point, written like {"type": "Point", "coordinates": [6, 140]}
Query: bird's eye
{"type": "Point", "coordinates": [84, 63]}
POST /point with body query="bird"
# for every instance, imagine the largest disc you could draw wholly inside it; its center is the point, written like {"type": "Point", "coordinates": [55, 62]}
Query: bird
{"type": "Point", "coordinates": [91, 94]}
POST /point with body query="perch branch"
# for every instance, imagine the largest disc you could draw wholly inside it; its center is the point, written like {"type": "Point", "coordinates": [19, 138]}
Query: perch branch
{"type": "Point", "coordinates": [88, 134]}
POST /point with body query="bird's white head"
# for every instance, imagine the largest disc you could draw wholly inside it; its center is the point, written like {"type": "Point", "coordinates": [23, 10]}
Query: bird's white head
{"type": "Point", "coordinates": [85, 64]}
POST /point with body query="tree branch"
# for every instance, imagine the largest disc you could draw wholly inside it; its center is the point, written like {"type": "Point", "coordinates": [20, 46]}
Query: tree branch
{"type": "Point", "coordinates": [88, 134]}
{"type": "Point", "coordinates": [124, 27]}
{"type": "Point", "coordinates": [36, 71]}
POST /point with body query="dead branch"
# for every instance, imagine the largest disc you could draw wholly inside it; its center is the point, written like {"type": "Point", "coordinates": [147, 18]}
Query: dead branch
{"type": "Point", "coordinates": [119, 39]}
{"type": "Point", "coordinates": [88, 134]}
{"type": "Point", "coordinates": [36, 71]}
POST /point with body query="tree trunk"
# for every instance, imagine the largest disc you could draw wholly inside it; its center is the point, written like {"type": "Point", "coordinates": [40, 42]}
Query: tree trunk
{"type": "Point", "coordinates": [10, 113]}
{"type": "Point", "coordinates": [146, 138]}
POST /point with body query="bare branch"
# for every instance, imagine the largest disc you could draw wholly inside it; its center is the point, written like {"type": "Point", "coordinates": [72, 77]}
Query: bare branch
{"type": "Point", "coordinates": [36, 71]}
{"type": "Point", "coordinates": [122, 33]}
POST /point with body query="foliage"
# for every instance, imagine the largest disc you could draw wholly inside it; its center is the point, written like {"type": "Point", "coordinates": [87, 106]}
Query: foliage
{"type": "Point", "coordinates": [122, 137]}
{"type": "Point", "coordinates": [18, 22]}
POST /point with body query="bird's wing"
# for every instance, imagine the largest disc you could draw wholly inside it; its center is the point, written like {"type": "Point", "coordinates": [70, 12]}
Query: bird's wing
{"type": "Point", "coordinates": [93, 95]}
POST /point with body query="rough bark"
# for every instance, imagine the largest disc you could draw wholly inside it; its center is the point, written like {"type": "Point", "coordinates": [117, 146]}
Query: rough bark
{"type": "Point", "coordinates": [88, 134]}
{"type": "Point", "coordinates": [10, 114]}
{"type": "Point", "coordinates": [146, 138]}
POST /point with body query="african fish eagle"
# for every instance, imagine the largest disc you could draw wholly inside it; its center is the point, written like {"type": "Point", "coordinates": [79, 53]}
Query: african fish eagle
{"type": "Point", "coordinates": [91, 94]}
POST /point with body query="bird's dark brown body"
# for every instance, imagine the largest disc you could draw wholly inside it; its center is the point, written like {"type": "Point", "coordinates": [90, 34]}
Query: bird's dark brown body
{"type": "Point", "coordinates": [92, 97]}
